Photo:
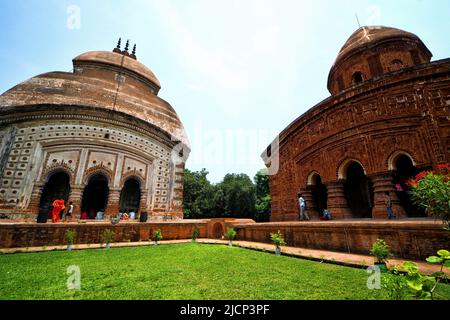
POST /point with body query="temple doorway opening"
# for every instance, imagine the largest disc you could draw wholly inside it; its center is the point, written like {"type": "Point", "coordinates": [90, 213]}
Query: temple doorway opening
{"type": "Point", "coordinates": [57, 187]}
{"type": "Point", "coordinates": [405, 170]}
{"type": "Point", "coordinates": [319, 193]}
{"type": "Point", "coordinates": [95, 195]}
{"type": "Point", "coordinates": [130, 196]}
{"type": "Point", "coordinates": [358, 190]}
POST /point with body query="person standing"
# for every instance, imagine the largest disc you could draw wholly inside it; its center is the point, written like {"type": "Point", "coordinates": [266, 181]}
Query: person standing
{"type": "Point", "coordinates": [58, 206]}
{"type": "Point", "coordinates": [302, 203]}
{"type": "Point", "coordinates": [388, 202]}
{"type": "Point", "coordinates": [69, 212]}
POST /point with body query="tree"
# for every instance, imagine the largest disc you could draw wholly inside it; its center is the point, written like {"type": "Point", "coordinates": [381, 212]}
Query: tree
{"type": "Point", "coordinates": [263, 198]}
{"type": "Point", "coordinates": [198, 194]}
{"type": "Point", "coordinates": [239, 196]}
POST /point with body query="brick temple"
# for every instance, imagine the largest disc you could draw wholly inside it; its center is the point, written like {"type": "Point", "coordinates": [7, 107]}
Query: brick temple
{"type": "Point", "coordinates": [98, 136]}
{"type": "Point", "coordinates": [386, 119]}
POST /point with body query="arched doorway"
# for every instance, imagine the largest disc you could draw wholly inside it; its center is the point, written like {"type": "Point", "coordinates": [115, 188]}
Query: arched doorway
{"type": "Point", "coordinates": [404, 171]}
{"type": "Point", "coordinates": [319, 193]}
{"type": "Point", "coordinates": [57, 187]}
{"type": "Point", "coordinates": [130, 196]}
{"type": "Point", "coordinates": [358, 190]}
{"type": "Point", "coordinates": [95, 195]}
{"type": "Point", "coordinates": [218, 231]}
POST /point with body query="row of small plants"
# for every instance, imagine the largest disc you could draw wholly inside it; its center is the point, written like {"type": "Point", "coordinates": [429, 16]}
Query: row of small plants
{"type": "Point", "coordinates": [107, 238]}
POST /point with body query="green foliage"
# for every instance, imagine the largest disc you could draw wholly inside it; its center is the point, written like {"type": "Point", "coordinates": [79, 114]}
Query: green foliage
{"type": "Point", "coordinates": [239, 196]}
{"type": "Point", "coordinates": [380, 250]}
{"type": "Point", "coordinates": [181, 272]}
{"type": "Point", "coordinates": [263, 198]}
{"type": "Point", "coordinates": [233, 197]}
{"type": "Point", "coordinates": [198, 198]}
{"type": "Point", "coordinates": [277, 239]}
{"type": "Point", "coordinates": [70, 236]}
{"type": "Point", "coordinates": [230, 234]}
{"type": "Point", "coordinates": [108, 236]}
{"type": "Point", "coordinates": [431, 190]}
{"type": "Point", "coordinates": [157, 236]}
{"type": "Point", "coordinates": [195, 233]}
{"type": "Point", "coordinates": [413, 284]}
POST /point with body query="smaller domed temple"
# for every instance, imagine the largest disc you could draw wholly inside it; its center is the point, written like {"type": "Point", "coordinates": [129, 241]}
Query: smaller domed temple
{"type": "Point", "coordinates": [386, 119]}
{"type": "Point", "coordinates": [99, 137]}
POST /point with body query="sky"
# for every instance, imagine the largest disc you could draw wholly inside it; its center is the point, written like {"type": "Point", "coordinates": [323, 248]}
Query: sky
{"type": "Point", "coordinates": [236, 71]}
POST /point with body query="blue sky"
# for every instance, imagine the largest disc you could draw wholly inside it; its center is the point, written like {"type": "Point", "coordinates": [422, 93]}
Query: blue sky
{"type": "Point", "coordinates": [237, 72]}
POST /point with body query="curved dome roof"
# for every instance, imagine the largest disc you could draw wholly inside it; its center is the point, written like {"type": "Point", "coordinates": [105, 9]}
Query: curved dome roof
{"type": "Point", "coordinates": [369, 36]}
{"type": "Point", "coordinates": [99, 88]}
{"type": "Point", "coordinates": [118, 60]}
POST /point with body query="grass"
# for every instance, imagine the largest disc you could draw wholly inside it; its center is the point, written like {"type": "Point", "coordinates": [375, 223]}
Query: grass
{"type": "Point", "coordinates": [188, 271]}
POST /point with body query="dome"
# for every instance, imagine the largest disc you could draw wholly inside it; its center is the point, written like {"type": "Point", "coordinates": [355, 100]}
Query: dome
{"type": "Point", "coordinates": [366, 37]}
{"type": "Point", "coordinates": [116, 60]}
{"type": "Point", "coordinates": [373, 51]}
{"type": "Point", "coordinates": [102, 82]}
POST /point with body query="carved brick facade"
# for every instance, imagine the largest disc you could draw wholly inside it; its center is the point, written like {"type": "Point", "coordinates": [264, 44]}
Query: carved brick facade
{"type": "Point", "coordinates": [104, 120]}
{"type": "Point", "coordinates": [398, 108]}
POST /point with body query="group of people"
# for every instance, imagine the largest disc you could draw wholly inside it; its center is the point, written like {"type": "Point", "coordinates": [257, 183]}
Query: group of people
{"type": "Point", "coordinates": [326, 215]}
{"type": "Point", "coordinates": [61, 212]}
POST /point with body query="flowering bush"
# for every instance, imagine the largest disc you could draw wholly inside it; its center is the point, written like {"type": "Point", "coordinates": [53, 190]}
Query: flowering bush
{"type": "Point", "coordinates": [431, 190]}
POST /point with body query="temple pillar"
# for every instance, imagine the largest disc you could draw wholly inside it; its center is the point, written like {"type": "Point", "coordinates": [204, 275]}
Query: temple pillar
{"type": "Point", "coordinates": [337, 202]}
{"type": "Point", "coordinates": [112, 207]}
{"type": "Point", "coordinates": [76, 197]}
{"type": "Point", "coordinates": [382, 183]}
{"type": "Point", "coordinates": [311, 208]}
{"type": "Point", "coordinates": [35, 198]}
{"type": "Point", "coordinates": [143, 202]}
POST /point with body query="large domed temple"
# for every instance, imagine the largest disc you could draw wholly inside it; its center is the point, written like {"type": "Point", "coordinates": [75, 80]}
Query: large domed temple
{"type": "Point", "coordinates": [99, 137]}
{"type": "Point", "coordinates": [386, 119]}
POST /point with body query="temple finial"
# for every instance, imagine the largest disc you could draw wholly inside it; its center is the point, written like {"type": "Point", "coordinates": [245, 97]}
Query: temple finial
{"type": "Point", "coordinates": [117, 48]}
{"type": "Point", "coordinates": [133, 54]}
{"type": "Point", "coordinates": [127, 45]}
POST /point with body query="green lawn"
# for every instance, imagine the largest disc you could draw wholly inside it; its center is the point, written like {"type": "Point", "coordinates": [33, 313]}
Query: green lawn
{"type": "Point", "coordinates": [187, 271]}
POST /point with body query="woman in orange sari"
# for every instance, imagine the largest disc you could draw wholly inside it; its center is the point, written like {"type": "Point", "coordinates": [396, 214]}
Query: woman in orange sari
{"type": "Point", "coordinates": [58, 205]}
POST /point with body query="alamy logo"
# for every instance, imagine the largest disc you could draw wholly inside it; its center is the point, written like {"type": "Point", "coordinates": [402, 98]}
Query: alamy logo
{"type": "Point", "coordinates": [74, 279]}
{"type": "Point", "coordinates": [374, 280]}
{"type": "Point", "coordinates": [74, 17]}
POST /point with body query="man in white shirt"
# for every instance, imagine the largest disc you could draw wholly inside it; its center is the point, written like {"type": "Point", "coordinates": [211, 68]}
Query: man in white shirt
{"type": "Point", "coordinates": [303, 213]}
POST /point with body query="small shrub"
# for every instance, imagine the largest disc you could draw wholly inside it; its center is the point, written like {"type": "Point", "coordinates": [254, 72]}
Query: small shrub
{"type": "Point", "coordinates": [230, 234]}
{"type": "Point", "coordinates": [277, 239]}
{"type": "Point", "coordinates": [195, 233]}
{"type": "Point", "coordinates": [380, 250]}
{"type": "Point", "coordinates": [70, 236]}
{"type": "Point", "coordinates": [108, 236]}
{"type": "Point", "coordinates": [157, 236]}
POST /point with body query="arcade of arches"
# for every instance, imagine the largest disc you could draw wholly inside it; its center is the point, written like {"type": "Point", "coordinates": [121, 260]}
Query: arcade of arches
{"type": "Point", "coordinates": [94, 197]}
{"type": "Point", "coordinates": [357, 196]}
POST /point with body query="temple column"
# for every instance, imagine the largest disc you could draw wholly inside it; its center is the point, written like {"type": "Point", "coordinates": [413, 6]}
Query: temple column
{"type": "Point", "coordinates": [112, 206]}
{"type": "Point", "coordinates": [76, 196]}
{"type": "Point", "coordinates": [337, 202]}
{"type": "Point", "coordinates": [35, 199]}
{"type": "Point", "coordinates": [382, 183]}
{"type": "Point", "coordinates": [311, 208]}
{"type": "Point", "coordinates": [143, 202]}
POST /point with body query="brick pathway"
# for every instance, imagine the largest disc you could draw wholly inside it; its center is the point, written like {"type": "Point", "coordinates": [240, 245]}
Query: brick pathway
{"type": "Point", "coordinates": [346, 259]}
